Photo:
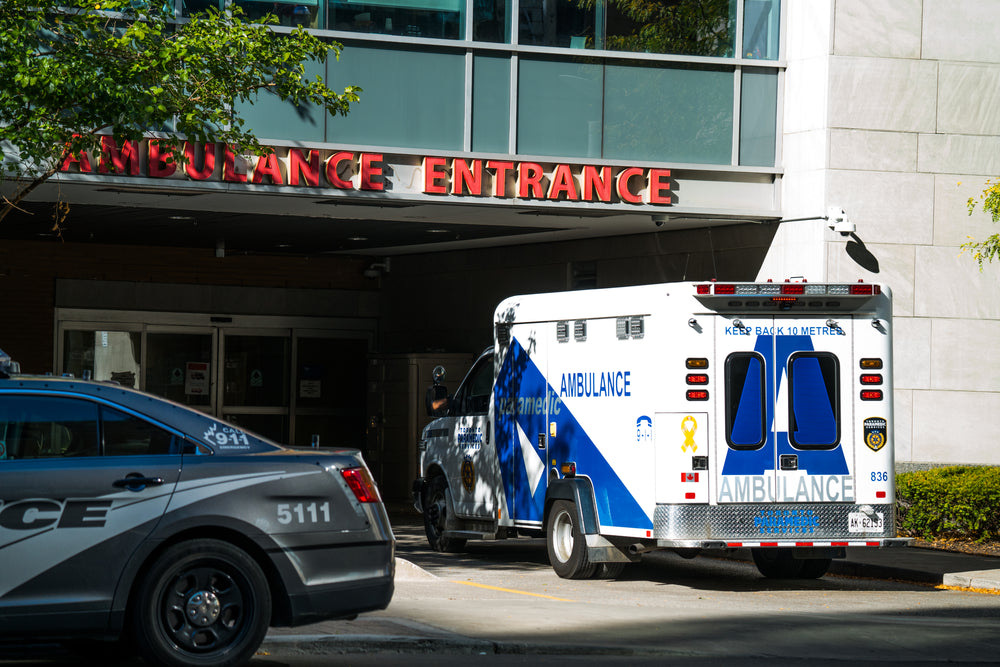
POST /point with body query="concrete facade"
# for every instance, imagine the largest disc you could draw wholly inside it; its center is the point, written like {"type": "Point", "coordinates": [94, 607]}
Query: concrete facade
{"type": "Point", "coordinates": [892, 112]}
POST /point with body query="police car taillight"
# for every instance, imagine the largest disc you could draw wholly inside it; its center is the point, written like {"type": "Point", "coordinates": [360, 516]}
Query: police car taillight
{"type": "Point", "coordinates": [361, 483]}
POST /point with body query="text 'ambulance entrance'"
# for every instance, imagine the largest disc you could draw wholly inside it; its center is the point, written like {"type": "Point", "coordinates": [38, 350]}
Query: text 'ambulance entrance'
{"type": "Point", "coordinates": [785, 413]}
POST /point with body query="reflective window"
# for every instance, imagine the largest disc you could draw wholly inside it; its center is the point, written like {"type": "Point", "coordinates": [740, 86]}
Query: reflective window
{"type": "Point", "coordinates": [411, 99]}
{"type": "Point", "coordinates": [473, 396]}
{"type": "Point", "coordinates": [490, 21]}
{"type": "Point", "coordinates": [758, 117]}
{"type": "Point", "coordinates": [565, 23]}
{"type": "Point", "coordinates": [490, 104]}
{"type": "Point", "coordinates": [127, 435]}
{"type": "Point", "coordinates": [189, 7]}
{"type": "Point", "coordinates": [105, 355]}
{"type": "Point", "coordinates": [178, 367]}
{"type": "Point", "coordinates": [288, 12]}
{"type": "Point", "coordinates": [272, 118]}
{"type": "Point", "coordinates": [675, 114]}
{"type": "Point", "coordinates": [682, 27]}
{"type": "Point", "coordinates": [559, 108]}
{"type": "Point", "coordinates": [442, 19]}
{"type": "Point", "coordinates": [746, 414]}
{"type": "Point", "coordinates": [814, 400]}
{"type": "Point", "coordinates": [33, 427]}
{"type": "Point", "coordinates": [760, 29]}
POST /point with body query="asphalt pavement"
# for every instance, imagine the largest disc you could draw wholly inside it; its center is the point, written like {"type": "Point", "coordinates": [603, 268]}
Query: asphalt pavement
{"type": "Point", "coordinates": [384, 633]}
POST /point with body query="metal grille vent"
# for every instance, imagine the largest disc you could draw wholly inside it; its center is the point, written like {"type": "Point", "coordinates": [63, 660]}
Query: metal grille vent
{"type": "Point", "coordinates": [562, 331]}
{"type": "Point", "coordinates": [580, 330]}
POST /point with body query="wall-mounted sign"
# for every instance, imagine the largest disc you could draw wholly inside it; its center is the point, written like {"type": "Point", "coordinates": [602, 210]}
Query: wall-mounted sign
{"type": "Point", "coordinates": [490, 180]}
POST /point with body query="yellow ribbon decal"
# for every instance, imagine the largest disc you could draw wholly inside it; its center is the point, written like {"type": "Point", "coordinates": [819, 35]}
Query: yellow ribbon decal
{"type": "Point", "coordinates": [688, 427]}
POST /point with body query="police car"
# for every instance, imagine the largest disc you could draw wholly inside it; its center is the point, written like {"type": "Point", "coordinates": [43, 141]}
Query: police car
{"type": "Point", "coordinates": [129, 518]}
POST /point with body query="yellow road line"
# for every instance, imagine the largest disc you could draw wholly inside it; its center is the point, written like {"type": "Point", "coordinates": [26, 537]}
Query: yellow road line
{"type": "Point", "coordinates": [510, 590]}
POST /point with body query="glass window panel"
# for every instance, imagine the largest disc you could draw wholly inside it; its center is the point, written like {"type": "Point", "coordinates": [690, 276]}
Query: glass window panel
{"type": "Point", "coordinates": [271, 118]}
{"type": "Point", "coordinates": [106, 355]}
{"type": "Point", "coordinates": [126, 435]}
{"type": "Point", "coordinates": [490, 104]}
{"type": "Point", "coordinates": [411, 99]}
{"type": "Point", "coordinates": [34, 427]}
{"type": "Point", "coordinates": [758, 117]}
{"type": "Point", "coordinates": [256, 371]}
{"type": "Point", "coordinates": [271, 427]}
{"type": "Point", "coordinates": [490, 21]}
{"type": "Point", "coordinates": [669, 114]}
{"type": "Point", "coordinates": [288, 12]}
{"type": "Point", "coordinates": [814, 400]}
{"type": "Point", "coordinates": [178, 367]}
{"type": "Point", "coordinates": [189, 7]}
{"type": "Point", "coordinates": [746, 412]}
{"type": "Point", "coordinates": [760, 29]}
{"type": "Point", "coordinates": [566, 23]}
{"type": "Point", "coordinates": [442, 19]}
{"type": "Point", "coordinates": [684, 27]}
{"type": "Point", "coordinates": [559, 108]}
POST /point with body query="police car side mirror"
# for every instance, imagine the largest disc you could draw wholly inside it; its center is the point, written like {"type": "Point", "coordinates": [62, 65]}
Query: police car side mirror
{"type": "Point", "coordinates": [437, 401]}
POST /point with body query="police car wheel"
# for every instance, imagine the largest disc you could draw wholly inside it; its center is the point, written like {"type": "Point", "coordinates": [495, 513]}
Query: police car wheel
{"type": "Point", "coordinates": [777, 563]}
{"type": "Point", "coordinates": [203, 602]}
{"type": "Point", "coordinates": [436, 516]}
{"type": "Point", "coordinates": [566, 545]}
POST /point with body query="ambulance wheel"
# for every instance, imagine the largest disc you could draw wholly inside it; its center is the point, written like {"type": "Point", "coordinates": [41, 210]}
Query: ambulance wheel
{"type": "Point", "coordinates": [777, 563]}
{"type": "Point", "coordinates": [609, 570]}
{"type": "Point", "coordinates": [203, 602]}
{"type": "Point", "coordinates": [436, 517]}
{"type": "Point", "coordinates": [566, 544]}
{"type": "Point", "coordinates": [814, 568]}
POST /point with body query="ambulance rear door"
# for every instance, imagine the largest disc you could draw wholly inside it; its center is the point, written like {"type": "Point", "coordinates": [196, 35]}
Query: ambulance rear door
{"type": "Point", "coordinates": [784, 413]}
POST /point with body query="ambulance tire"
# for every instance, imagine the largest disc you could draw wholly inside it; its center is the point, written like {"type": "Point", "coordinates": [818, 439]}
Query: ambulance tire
{"type": "Point", "coordinates": [435, 503]}
{"type": "Point", "coordinates": [208, 576]}
{"type": "Point", "coordinates": [814, 568]}
{"type": "Point", "coordinates": [609, 570]}
{"type": "Point", "coordinates": [777, 563]}
{"type": "Point", "coordinates": [565, 543]}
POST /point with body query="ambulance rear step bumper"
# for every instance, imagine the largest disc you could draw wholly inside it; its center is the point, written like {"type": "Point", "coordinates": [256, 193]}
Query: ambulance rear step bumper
{"type": "Point", "coordinates": [880, 543]}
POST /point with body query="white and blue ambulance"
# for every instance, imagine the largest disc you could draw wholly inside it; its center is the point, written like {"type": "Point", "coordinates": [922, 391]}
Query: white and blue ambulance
{"type": "Point", "coordinates": [683, 416]}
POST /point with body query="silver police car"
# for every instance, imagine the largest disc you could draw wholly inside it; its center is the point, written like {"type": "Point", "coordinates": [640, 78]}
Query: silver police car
{"type": "Point", "coordinates": [129, 518]}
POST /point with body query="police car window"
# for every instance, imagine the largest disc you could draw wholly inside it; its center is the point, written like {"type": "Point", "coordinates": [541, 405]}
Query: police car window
{"type": "Point", "coordinates": [813, 400]}
{"type": "Point", "coordinates": [746, 410]}
{"type": "Point", "coordinates": [127, 435]}
{"type": "Point", "coordinates": [33, 427]}
{"type": "Point", "coordinates": [475, 396]}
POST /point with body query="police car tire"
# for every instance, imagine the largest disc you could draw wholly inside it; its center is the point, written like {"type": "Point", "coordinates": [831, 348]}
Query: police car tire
{"type": "Point", "coordinates": [565, 543]}
{"type": "Point", "coordinates": [163, 633]}
{"type": "Point", "coordinates": [777, 563]}
{"type": "Point", "coordinates": [434, 503]}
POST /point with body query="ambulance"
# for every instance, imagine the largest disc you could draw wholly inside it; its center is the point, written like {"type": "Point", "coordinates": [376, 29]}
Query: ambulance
{"type": "Point", "coordinates": [686, 416]}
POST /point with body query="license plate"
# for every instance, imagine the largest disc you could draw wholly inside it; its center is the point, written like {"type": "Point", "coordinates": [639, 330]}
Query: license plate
{"type": "Point", "coordinates": [859, 522]}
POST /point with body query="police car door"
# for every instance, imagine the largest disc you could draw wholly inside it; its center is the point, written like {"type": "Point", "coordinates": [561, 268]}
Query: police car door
{"type": "Point", "coordinates": [786, 386]}
{"type": "Point", "coordinates": [73, 508]}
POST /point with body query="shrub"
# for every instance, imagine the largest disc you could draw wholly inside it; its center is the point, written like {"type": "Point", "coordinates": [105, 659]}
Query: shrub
{"type": "Point", "coordinates": [952, 502]}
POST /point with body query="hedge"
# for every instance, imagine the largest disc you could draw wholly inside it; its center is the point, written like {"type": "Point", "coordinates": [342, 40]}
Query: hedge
{"type": "Point", "coordinates": [952, 502]}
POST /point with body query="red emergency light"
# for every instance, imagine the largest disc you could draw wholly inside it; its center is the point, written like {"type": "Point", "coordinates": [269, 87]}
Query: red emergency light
{"type": "Point", "coordinates": [871, 394]}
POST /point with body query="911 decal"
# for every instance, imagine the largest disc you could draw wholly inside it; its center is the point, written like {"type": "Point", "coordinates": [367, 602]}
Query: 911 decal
{"type": "Point", "coordinates": [303, 513]}
{"type": "Point", "coordinates": [227, 437]}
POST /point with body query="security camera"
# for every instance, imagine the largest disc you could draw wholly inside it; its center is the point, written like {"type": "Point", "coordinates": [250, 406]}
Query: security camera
{"type": "Point", "coordinates": [838, 221]}
{"type": "Point", "coordinates": [658, 220]}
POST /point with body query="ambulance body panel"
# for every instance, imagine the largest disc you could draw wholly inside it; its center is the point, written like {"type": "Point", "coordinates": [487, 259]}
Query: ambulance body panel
{"type": "Point", "coordinates": [683, 415]}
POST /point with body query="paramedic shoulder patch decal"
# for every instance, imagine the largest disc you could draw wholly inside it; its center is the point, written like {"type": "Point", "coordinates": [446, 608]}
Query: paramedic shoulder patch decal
{"type": "Point", "coordinates": [875, 433]}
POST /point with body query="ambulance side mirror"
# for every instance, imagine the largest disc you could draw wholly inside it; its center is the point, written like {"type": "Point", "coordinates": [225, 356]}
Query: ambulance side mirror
{"type": "Point", "coordinates": [437, 400]}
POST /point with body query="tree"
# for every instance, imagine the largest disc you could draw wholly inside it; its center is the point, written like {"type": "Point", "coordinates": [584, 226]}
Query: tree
{"type": "Point", "coordinates": [989, 200]}
{"type": "Point", "coordinates": [76, 69]}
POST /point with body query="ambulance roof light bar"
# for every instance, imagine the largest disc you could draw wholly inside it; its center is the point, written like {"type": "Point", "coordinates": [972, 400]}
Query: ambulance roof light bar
{"type": "Point", "coordinates": [788, 289]}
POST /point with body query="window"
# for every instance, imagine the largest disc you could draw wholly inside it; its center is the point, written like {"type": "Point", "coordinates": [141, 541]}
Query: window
{"type": "Point", "coordinates": [34, 427]}
{"type": "Point", "coordinates": [814, 400]}
{"type": "Point", "coordinates": [746, 410]}
{"type": "Point", "coordinates": [442, 19]}
{"type": "Point", "coordinates": [474, 396]}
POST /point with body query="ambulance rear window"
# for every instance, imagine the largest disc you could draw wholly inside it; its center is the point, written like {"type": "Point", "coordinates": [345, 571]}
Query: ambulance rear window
{"type": "Point", "coordinates": [813, 400]}
{"type": "Point", "coordinates": [745, 408]}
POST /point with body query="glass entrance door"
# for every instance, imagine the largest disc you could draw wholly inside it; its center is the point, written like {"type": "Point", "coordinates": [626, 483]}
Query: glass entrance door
{"type": "Point", "coordinates": [179, 366]}
{"type": "Point", "coordinates": [256, 368]}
